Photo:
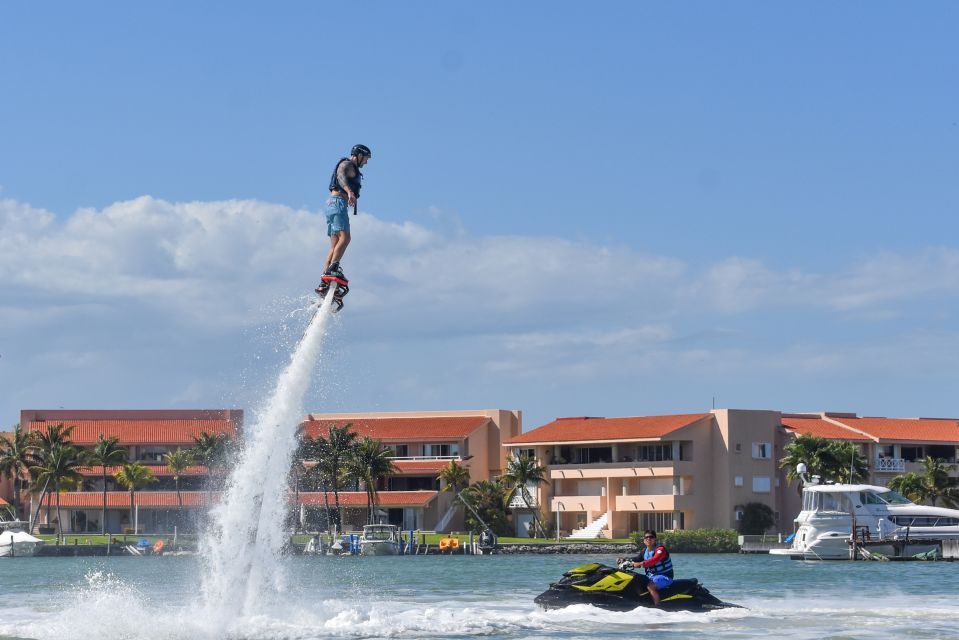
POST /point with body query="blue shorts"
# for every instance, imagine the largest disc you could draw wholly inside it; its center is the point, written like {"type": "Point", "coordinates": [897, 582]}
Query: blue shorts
{"type": "Point", "coordinates": [661, 582]}
{"type": "Point", "coordinates": [337, 215]}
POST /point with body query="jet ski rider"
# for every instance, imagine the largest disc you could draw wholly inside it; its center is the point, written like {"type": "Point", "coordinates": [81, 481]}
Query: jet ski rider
{"type": "Point", "coordinates": [657, 564]}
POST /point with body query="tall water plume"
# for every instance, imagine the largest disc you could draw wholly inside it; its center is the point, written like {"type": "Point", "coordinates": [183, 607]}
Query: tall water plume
{"type": "Point", "coordinates": [242, 547]}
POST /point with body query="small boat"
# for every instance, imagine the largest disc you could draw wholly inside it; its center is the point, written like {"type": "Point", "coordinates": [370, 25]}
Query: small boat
{"type": "Point", "coordinates": [17, 543]}
{"type": "Point", "coordinates": [380, 540]}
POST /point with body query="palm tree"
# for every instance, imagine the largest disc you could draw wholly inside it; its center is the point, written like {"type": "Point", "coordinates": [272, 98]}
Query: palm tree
{"type": "Point", "coordinates": [42, 443]}
{"type": "Point", "coordinates": [523, 471]}
{"type": "Point", "coordinates": [932, 485]}
{"type": "Point", "coordinates": [134, 476]}
{"type": "Point", "coordinates": [177, 462]}
{"type": "Point", "coordinates": [333, 454]}
{"type": "Point", "coordinates": [910, 485]}
{"type": "Point", "coordinates": [302, 453]}
{"type": "Point", "coordinates": [829, 459]}
{"type": "Point", "coordinates": [107, 452]}
{"type": "Point", "coordinates": [60, 466]}
{"type": "Point", "coordinates": [371, 463]}
{"type": "Point", "coordinates": [939, 484]}
{"type": "Point", "coordinates": [16, 453]}
{"type": "Point", "coordinates": [488, 498]}
{"type": "Point", "coordinates": [210, 450]}
{"type": "Point", "coordinates": [454, 477]}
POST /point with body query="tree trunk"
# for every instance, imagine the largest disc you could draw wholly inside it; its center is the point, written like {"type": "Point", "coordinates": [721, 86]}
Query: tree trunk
{"type": "Point", "coordinates": [59, 515]}
{"type": "Point", "coordinates": [179, 501]}
{"type": "Point", "coordinates": [36, 512]}
{"type": "Point", "coordinates": [536, 523]}
{"type": "Point", "coordinates": [133, 522]}
{"type": "Point", "coordinates": [103, 514]}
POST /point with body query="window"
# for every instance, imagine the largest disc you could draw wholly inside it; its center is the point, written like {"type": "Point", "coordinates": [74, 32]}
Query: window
{"type": "Point", "coordinates": [660, 521]}
{"type": "Point", "coordinates": [589, 455]}
{"type": "Point", "coordinates": [739, 515]}
{"type": "Point", "coordinates": [400, 450]}
{"type": "Point", "coordinates": [739, 447]}
{"type": "Point", "coordinates": [912, 454]}
{"type": "Point", "coordinates": [738, 481]}
{"type": "Point", "coordinates": [762, 450]}
{"type": "Point", "coordinates": [444, 450]}
{"type": "Point", "coordinates": [654, 452]}
{"type": "Point", "coordinates": [761, 484]}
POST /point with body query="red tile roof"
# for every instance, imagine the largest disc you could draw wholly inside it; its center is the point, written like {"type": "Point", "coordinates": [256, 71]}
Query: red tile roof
{"type": "Point", "coordinates": [430, 467]}
{"type": "Point", "coordinates": [3, 502]}
{"type": "Point", "coordinates": [402, 429]}
{"type": "Point", "coordinates": [586, 429]}
{"type": "Point", "coordinates": [156, 469]}
{"type": "Point", "coordinates": [121, 499]}
{"type": "Point", "coordinates": [822, 429]}
{"type": "Point", "coordinates": [139, 432]}
{"type": "Point", "coordinates": [383, 498]}
{"type": "Point", "coordinates": [907, 429]}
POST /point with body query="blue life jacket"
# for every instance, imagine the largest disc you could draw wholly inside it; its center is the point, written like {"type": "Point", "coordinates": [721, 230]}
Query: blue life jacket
{"type": "Point", "coordinates": [355, 183]}
{"type": "Point", "coordinates": [661, 568]}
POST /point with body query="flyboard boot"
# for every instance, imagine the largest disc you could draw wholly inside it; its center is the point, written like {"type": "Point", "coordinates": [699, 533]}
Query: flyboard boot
{"type": "Point", "coordinates": [334, 278]}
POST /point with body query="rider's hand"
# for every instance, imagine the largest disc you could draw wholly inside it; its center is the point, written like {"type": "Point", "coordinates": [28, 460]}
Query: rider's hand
{"type": "Point", "coordinates": [625, 565]}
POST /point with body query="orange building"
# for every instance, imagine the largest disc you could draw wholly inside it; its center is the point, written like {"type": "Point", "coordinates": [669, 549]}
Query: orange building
{"type": "Point", "coordinates": [147, 435]}
{"type": "Point", "coordinates": [422, 444]}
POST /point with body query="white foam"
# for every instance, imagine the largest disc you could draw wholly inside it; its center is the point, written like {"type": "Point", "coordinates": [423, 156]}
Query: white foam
{"type": "Point", "coordinates": [242, 546]}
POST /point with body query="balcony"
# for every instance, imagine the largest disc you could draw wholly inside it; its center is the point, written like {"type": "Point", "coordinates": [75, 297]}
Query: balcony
{"type": "Point", "coordinates": [891, 465]}
{"type": "Point", "coordinates": [578, 503]}
{"type": "Point", "coordinates": [664, 469]}
{"type": "Point", "coordinates": [424, 458]}
{"type": "Point", "coordinates": [646, 502]}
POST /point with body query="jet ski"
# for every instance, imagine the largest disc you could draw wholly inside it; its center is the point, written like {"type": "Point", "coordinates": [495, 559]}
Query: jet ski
{"type": "Point", "coordinates": [622, 590]}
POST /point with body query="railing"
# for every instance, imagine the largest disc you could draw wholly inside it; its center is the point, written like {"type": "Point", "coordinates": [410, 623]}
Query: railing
{"type": "Point", "coordinates": [890, 464]}
{"type": "Point", "coordinates": [422, 458]}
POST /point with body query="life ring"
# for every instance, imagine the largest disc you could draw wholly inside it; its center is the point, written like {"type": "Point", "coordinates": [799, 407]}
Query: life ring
{"type": "Point", "coordinates": [158, 546]}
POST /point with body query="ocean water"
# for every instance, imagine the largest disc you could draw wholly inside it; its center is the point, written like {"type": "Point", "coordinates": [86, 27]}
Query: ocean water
{"type": "Point", "coordinates": [469, 596]}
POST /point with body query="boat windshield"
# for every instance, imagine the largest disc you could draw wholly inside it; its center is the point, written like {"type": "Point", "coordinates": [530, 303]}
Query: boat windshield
{"type": "Point", "coordinates": [378, 534]}
{"type": "Point", "coordinates": [892, 497]}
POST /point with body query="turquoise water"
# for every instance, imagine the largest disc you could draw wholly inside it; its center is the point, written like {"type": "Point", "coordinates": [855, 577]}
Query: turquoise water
{"type": "Point", "coordinates": [472, 596]}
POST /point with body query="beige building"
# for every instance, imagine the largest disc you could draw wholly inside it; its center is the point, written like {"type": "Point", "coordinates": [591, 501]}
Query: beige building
{"type": "Point", "coordinates": [618, 475]}
{"type": "Point", "coordinates": [613, 476]}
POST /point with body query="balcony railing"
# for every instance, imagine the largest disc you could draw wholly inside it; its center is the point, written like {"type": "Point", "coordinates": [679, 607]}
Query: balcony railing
{"type": "Point", "coordinates": [890, 464]}
{"type": "Point", "coordinates": [422, 458]}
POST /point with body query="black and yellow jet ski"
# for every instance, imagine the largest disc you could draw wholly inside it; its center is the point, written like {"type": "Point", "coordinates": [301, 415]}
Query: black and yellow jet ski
{"type": "Point", "coordinates": [622, 590]}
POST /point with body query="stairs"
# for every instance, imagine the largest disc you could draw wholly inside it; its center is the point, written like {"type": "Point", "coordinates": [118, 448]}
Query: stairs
{"type": "Point", "coordinates": [445, 520]}
{"type": "Point", "coordinates": [593, 530]}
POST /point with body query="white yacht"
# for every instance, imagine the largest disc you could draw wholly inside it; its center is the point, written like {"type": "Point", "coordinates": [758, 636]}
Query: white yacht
{"type": "Point", "coordinates": [380, 540]}
{"type": "Point", "coordinates": [883, 518]}
{"type": "Point", "coordinates": [15, 542]}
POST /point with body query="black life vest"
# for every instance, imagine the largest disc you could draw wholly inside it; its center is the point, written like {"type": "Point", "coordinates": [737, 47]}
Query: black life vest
{"type": "Point", "coordinates": [355, 183]}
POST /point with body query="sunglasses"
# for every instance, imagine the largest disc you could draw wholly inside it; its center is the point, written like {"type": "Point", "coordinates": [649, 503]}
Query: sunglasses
{"type": "Point", "coordinates": [649, 537]}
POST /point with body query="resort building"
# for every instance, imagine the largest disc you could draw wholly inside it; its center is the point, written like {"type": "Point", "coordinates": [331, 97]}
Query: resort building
{"type": "Point", "coordinates": [422, 444]}
{"type": "Point", "coordinates": [613, 476]}
{"type": "Point", "coordinates": [147, 436]}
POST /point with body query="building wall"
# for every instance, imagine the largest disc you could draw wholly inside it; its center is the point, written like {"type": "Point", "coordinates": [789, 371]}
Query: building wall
{"type": "Point", "coordinates": [738, 431]}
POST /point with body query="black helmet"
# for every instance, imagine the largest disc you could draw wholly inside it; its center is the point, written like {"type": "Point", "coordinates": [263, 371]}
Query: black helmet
{"type": "Point", "coordinates": [361, 150]}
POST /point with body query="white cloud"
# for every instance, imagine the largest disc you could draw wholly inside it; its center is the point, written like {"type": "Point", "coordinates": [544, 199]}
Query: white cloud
{"type": "Point", "coordinates": [150, 276]}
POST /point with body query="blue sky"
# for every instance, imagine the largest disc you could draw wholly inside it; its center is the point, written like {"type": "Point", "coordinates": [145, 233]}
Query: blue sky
{"type": "Point", "coordinates": [609, 209]}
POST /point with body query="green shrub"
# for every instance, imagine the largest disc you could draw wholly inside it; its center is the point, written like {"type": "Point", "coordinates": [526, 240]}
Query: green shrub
{"type": "Point", "coordinates": [694, 540]}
